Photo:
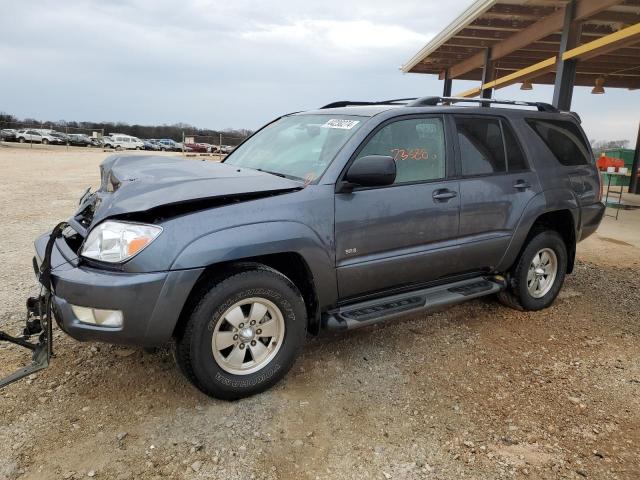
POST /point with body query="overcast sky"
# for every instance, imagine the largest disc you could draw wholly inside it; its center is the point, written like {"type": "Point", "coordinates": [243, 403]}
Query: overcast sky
{"type": "Point", "coordinates": [234, 63]}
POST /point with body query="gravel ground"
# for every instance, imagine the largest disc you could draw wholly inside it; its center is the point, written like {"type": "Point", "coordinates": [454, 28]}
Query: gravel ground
{"type": "Point", "coordinates": [476, 391]}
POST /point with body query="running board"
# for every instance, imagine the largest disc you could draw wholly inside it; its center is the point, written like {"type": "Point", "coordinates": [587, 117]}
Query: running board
{"type": "Point", "coordinates": [381, 309]}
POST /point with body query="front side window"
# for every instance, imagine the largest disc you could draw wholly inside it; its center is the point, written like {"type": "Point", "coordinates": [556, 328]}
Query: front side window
{"type": "Point", "coordinates": [417, 145]}
{"type": "Point", "coordinates": [297, 146]}
{"type": "Point", "coordinates": [481, 145]}
{"type": "Point", "coordinates": [564, 139]}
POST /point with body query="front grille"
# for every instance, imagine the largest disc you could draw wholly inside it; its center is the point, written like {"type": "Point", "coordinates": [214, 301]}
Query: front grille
{"type": "Point", "coordinates": [72, 238]}
{"type": "Point", "coordinates": [85, 217]}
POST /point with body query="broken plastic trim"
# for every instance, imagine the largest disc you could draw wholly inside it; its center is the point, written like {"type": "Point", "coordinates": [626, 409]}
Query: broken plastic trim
{"type": "Point", "coordinates": [39, 320]}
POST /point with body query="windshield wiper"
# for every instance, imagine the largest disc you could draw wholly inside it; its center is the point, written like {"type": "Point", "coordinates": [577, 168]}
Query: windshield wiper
{"type": "Point", "coordinates": [277, 174]}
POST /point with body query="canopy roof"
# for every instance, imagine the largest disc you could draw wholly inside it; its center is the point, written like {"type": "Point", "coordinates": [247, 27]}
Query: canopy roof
{"type": "Point", "coordinates": [526, 33]}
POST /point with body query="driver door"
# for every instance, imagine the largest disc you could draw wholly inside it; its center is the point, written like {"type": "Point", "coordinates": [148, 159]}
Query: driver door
{"type": "Point", "coordinates": [406, 233]}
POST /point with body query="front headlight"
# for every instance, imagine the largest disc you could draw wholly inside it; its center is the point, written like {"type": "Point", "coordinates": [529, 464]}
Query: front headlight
{"type": "Point", "coordinates": [115, 242]}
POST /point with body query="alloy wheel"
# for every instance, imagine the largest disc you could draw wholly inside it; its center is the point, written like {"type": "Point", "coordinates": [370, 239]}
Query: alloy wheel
{"type": "Point", "coordinates": [248, 336]}
{"type": "Point", "coordinates": [542, 272]}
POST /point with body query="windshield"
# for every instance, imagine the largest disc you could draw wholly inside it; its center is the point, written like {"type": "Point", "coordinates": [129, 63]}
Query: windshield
{"type": "Point", "coordinates": [297, 146]}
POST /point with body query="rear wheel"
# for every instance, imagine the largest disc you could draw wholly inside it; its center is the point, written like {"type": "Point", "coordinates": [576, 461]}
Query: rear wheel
{"type": "Point", "coordinates": [537, 277]}
{"type": "Point", "coordinates": [243, 334]}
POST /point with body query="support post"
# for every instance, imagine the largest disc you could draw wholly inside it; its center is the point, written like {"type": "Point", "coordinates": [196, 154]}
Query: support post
{"type": "Point", "coordinates": [634, 185]}
{"type": "Point", "coordinates": [446, 90]}
{"type": "Point", "coordinates": [566, 69]}
{"type": "Point", "coordinates": [488, 75]}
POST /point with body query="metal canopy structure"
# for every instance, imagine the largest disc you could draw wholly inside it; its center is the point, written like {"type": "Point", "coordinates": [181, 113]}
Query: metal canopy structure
{"type": "Point", "coordinates": [501, 42]}
{"type": "Point", "coordinates": [565, 43]}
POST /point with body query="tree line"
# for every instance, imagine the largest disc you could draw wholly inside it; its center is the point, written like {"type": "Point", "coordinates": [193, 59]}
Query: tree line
{"type": "Point", "coordinates": [175, 131]}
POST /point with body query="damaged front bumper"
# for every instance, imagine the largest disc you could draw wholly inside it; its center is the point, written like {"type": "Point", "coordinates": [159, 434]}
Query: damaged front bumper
{"type": "Point", "coordinates": [39, 321]}
{"type": "Point", "coordinates": [149, 303]}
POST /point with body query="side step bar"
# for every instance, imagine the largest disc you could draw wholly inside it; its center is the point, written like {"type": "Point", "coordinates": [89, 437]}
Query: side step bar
{"type": "Point", "coordinates": [381, 309]}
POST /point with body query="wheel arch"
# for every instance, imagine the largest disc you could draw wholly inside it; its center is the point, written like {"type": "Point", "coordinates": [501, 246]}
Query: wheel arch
{"type": "Point", "coordinates": [562, 220]}
{"type": "Point", "coordinates": [290, 264]}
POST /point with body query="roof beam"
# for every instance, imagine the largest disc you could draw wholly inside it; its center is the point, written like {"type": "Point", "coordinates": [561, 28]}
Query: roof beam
{"type": "Point", "coordinates": [540, 29]}
{"type": "Point", "coordinates": [584, 52]}
{"type": "Point", "coordinates": [621, 38]}
{"type": "Point", "coordinates": [527, 73]}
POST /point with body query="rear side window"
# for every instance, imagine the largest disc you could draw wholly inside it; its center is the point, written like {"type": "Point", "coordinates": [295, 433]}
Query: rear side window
{"type": "Point", "coordinates": [515, 158]}
{"type": "Point", "coordinates": [481, 145]}
{"type": "Point", "coordinates": [564, 139]}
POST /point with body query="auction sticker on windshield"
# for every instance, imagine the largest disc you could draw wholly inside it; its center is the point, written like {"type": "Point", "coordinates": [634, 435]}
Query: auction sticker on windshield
{"type": "Point", "coordinates": [343, 124]}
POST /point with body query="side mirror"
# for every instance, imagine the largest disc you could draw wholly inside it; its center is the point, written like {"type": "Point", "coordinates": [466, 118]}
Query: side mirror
{"type": "Point", "coordinates": [371, 171]}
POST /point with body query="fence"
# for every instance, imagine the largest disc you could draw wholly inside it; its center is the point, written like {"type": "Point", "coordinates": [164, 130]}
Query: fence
{"type": "Point", "coordinates": [220, 144]}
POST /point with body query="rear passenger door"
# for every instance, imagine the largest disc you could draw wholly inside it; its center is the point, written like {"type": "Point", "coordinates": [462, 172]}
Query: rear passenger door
{"type": "Point", "coordinates": [496, 183]}
{"type": "Point", "coordinates": [406, 233]}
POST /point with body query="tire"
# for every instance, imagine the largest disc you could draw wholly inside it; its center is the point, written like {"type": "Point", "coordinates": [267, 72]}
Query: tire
{"type": "Point", "coordinates": [231, 372]}
{"type": "Point", "coordinates": [21, 140]}
{"type": "Point", "coordinates": [45, 141]}
{"type": "Point", "coordinates": [522, 293]}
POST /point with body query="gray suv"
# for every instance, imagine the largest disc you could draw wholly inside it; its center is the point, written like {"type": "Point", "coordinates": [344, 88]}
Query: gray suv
{"type": "Point", "coordinates": [334, 219]}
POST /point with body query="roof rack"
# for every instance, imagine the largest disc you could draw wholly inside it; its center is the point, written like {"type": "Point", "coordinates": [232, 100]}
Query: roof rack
{"type": "Point", "coordinates": [348, 103]}
{"type": "Point", "coordinates": [433, 101]}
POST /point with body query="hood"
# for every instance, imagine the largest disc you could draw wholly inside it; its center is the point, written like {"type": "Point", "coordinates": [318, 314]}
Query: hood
{"type": "Point", "coordinates": [138, 183]}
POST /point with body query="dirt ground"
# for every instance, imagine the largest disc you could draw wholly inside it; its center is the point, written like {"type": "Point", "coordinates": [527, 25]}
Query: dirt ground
{"type": "Point", "coordinates": [478, 391]}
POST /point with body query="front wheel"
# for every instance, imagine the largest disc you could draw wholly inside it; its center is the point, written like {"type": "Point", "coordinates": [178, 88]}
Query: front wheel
{"type": "Point", "coordinates": [243, 334]}
{"type": "Point", "coordinates": [45, 141]}
{"type": "Point", "coordinates": [539, 273]}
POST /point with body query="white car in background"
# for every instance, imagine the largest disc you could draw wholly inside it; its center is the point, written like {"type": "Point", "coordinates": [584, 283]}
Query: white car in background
{"type": "Point", "coordinates": [121, 141]}
{"type": "Point", "coordinates": [35, 136]}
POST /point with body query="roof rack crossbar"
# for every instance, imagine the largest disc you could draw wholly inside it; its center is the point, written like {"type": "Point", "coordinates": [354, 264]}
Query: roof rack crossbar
{"type": "Point", "coordinates": [433, 101]}
{"type": "Point", "coordinates": [349, 103]}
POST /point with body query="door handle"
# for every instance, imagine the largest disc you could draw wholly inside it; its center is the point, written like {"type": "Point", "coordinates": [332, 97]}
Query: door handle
{"type": "Point", "coordinates": [521, 185]}
{"type": "Point", "coordinates": [444, 195]}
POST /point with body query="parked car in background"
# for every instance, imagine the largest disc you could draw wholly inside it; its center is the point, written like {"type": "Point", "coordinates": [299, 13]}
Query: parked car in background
{"type": "Point", "coordinates": [197, 147]}
{"type": "Point", "coordinates": [149, 145]}
{"type": "Point", "coordinates": [227, 149]}
{"type": "Point", "coordinates": [8, 134]}
{"type": "Point", "coordinates": [168, 145]}
{"type": "Point", "coordinates": [59, 137]}
{"type": "Point", "coordinates": [120, 141]}
{"type": "Point", "coordinates": [35, 136]}
{"type": "Point", "coordinates": [79, 140]}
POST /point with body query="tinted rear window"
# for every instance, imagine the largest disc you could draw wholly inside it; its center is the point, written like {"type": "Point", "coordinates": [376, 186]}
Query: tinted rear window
{"type": "Point", "coordinates": [515, 158]}
{"type": "Point", "coordinates": [564, 139]}
{"type": "Point", "coordinates": [481, 147]}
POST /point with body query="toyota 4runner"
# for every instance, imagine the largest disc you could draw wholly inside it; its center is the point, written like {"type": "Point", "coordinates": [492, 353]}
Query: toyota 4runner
{"type": "Point", "coordinates": [334, 219]}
